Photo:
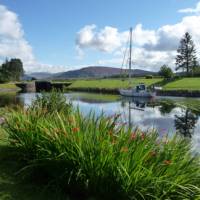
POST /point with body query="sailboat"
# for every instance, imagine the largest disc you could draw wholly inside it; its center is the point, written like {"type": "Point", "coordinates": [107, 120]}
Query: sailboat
{"type": "Point", "coordinates": [139, 90]}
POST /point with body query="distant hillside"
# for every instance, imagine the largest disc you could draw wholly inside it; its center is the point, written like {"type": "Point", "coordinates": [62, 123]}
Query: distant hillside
{"type": "Point", "coordinates": [98, 72]}
{"type": "Point", "coordinates": [40, 75]}
{"type": "Point", "coordinates": [26, 77]}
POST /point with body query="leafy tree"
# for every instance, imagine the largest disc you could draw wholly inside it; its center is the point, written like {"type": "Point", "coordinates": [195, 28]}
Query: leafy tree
{"type": "Point", "coordinates": [186, 57]}
{"type": "Point", "coordinates": [196, 70]}
{"type": "Point", "coordinates": [166, 72]}
{"type": "Point", "coordinates": [11, 70]}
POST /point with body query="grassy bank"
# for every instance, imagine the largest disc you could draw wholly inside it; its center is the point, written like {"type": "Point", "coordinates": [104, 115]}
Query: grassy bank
{"type": "Point", "coordinates": [8, 87]}
{"type": "Point", "coordinates": [97, 157]}
{"type": "Point", "coordinates": [111, 83]}
{"type": "Point", "coordinates": [184, 84]}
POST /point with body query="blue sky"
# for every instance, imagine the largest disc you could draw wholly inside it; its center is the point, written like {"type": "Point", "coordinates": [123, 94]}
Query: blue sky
{"type": "Point", "coordinates": [68, 34]}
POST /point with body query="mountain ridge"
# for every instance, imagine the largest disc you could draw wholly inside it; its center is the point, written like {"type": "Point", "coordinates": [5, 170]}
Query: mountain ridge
{"type": "Point", "coordinates": [90, 72]}
{"type": "Point", "coordinates": [99, 72]}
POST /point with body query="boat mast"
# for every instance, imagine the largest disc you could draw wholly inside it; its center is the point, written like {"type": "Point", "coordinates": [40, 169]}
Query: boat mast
{"type": "Point", "coordinates": [130, 56]}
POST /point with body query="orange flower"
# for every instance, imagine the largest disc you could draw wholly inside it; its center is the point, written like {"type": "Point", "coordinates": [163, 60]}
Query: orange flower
{"type": "Point", "coordinates": [75, 129]}
{"type": "Point", "coordinates": [124, 149]}
{"type": "Point", "coordinates": [167, 162]}
{"type": "Point", "coordinates": [133, 136]}
{"type": "Point", "coordinates": [142, 136]}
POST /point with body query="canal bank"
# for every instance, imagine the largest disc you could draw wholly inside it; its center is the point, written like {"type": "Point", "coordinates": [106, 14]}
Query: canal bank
{"type": "Point", "coordinates": [48, 86]}
{"type": "Point", "coordinates": [173, 93]}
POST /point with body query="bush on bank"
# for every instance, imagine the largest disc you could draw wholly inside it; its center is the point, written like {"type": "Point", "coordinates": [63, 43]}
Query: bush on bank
{"type": "Point", "coordinates": [95, 156]}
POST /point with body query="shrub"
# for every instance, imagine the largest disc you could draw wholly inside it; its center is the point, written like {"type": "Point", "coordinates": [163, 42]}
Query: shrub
{"type": "Point", "coordinates": [166, 72]}
{"type": "Point", "coordinates": [149, 76]}
{"type": "Point", "coordinates": [50, 102]}
{"type": "Point", "coordinates": [97, 156]}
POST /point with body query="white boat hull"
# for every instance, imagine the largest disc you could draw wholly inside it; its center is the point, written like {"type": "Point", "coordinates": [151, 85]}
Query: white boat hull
{"type": "Point", "coordinates": [133, 93]}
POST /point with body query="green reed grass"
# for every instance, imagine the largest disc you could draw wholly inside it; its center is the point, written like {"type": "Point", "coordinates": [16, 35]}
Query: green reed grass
{"type": "Point", "coordinates": [95, 156]}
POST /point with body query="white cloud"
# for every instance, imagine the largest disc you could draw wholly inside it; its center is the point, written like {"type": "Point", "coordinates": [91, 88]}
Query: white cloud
{"type": "Point", "coordinates": [151, 48]}
{"type": "Point", "coordinates": [143, 59]}
{"type": "Point", "coordinates": [13, 43]}
{"type": "Point", "coordinates": [142, 36]}
{"type": "Point", "coordinates": [168, 36]}
{"type": "Point", "coordinates": [107, 39]}
{"type": "Point", "coordinates": [191, 10]}
{"type": "Point", "coordinates": [10, 25]}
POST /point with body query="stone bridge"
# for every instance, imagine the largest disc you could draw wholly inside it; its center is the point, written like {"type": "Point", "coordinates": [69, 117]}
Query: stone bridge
{"type": "Point", "coordinates": [39, 86]}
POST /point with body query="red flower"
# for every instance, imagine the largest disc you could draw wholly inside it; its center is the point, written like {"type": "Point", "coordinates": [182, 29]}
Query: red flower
{"type": "Point", "coordinates": [167, 162]}
{"type": "Point", "coordinates": [133, 136]}
{"type": "Point", "coordinates": [75, 129]}
{"type": "Point", "coordinates": [142, 136]}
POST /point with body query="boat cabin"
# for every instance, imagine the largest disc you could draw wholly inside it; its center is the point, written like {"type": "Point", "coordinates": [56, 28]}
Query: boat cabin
{"type": "Point", "coordinates": [140, 87]}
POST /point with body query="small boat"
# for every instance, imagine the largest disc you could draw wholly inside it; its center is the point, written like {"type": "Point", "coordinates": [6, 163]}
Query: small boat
{"type": "Point", "coordinates": [140, 90]}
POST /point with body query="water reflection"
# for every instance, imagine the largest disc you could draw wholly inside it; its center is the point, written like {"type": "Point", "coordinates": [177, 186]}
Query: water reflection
{"type": "Point", "coordinates": [167, 107]}
{"type": "Point", "coordinates": [10, 99]}
{"type": "Point", "coordinates": [186, 122]}
{"type": "Point", "coordinates": [166, 116]}
{"type": "Point", "coordinates": [161, 114]}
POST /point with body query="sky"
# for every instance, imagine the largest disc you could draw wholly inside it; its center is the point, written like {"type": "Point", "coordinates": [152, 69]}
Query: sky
{"type": "Point", "coordinates": [61, 35]}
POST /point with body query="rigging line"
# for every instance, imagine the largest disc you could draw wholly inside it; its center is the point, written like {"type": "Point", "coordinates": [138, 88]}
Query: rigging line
{"type": "Point", "coordinates": [124, 56]}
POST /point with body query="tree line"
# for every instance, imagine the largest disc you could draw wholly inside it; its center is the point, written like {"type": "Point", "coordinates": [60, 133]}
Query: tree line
{"type": "Point", "coordinates": [186, 59]}
{"type": "Point", "coordinates": [11, 70]}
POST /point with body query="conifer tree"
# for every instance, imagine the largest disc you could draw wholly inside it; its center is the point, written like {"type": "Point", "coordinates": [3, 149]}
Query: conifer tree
{"type": "Point", "coordinates": [186, 57]}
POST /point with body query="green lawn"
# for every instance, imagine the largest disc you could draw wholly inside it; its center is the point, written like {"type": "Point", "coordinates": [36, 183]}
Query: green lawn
{"type": "Point", "coordinates": [184, 84]}
{"type": "Point", "coordinates": [8, 86]}
{"type": "Point", "coordinates": [111, 83]}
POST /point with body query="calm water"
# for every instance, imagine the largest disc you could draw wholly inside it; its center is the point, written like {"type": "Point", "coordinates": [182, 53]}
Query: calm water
{"type": "Point", "coordinates": [167, 115]}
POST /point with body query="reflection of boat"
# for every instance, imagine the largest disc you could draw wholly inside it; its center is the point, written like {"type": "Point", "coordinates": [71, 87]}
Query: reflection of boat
{"type": "Point", "coordinates": [139, 103]}
{"type": "Point", "coordinates": [135, 103]}
{"type": "Point", "coordinates": [140, 90]}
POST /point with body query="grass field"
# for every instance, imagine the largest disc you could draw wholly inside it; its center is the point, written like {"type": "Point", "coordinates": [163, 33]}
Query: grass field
{"type": "Point", "coordinates": [8, 86]}
{"type": "Point", "coordinates": [184, 84]}
{"type": "Point", "coordinates": [111, 83]}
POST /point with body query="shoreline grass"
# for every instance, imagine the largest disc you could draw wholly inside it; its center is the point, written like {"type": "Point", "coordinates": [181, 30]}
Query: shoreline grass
{"type": "Point", "coordinates": [111, 83]}
{"type": "Point", "coordinates": [184, 84]}
{"type": "Point", "coordinates": [94, 156]}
